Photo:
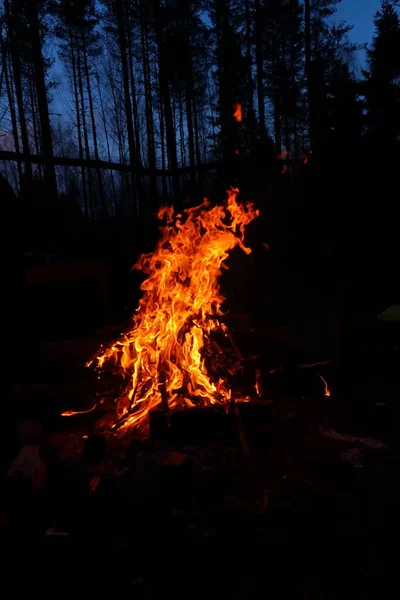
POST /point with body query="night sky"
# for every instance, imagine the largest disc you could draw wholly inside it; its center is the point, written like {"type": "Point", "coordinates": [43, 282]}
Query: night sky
{"type": "Point", "coordinates": [359, 13]}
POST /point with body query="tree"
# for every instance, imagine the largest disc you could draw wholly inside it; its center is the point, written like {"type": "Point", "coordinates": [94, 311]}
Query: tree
{"type": "Point", "coordinates": [325, 41]}
{"type": "Point", "coordinates": [165, 95]}
{"type": "Point", "coordinates": [16, 31]}
{"type": "Point", "coordinates": [119, 19]}
{"type": "Point", "coordinates": [186, 38]}
{"type": "Point", "coordinates": [77, 24]}
{"type": "Point", "coordinates": [383, 80]}
{"type": "Point", "coordinates": [284, 68]}
{"type": "Point", "coordinates": [230, 77]}
{"type": "Point", "coordinates": [43, 103]}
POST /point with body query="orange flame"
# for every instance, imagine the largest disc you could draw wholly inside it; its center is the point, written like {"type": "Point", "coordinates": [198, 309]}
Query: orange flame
{"type": "Point", "coordinates": [327, 392]}
{"type": "Point", "coordinates": [284, 169]}
{"type": "Point", "coordinates": [161, 357]}
{"type": "Point", "coordinates": [71, 413]}
{"type": "Point", "coordinates": [237, 112]}
{"type": "Point", "coordinates": [259, 385]}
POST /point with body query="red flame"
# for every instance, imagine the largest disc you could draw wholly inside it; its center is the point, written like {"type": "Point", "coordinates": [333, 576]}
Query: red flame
{"type": "Point", "coordinates": [283, 155]}
{"type": "Point", "coordinates": [237, 112]}
{"type": "Point", "coordinates": [327, 392]}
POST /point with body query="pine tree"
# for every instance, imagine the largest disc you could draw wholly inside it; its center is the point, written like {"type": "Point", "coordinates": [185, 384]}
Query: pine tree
{"type": "Point", "coordinates": [325, 41]}
{"type": "Point", "coordinates": [383, 81]}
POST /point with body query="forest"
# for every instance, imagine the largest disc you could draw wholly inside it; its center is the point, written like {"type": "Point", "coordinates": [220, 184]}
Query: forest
{"type": "Point", "coordinates": [110, 109]}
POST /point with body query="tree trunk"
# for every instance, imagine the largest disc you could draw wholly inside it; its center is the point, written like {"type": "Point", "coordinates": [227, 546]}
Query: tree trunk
{"type": "Point", "coordinates": [133, 96]}
{"type": "Point", "coordinates": [249, 64]}
{"type": "Point", "coordinates": [284, 84]}
{"type": "Point", "coordinates": [78, 121]}
{"type": "Point", "coordinates": [84, 125]}
{"type": "Point", "coordinates": [307, 50]}
{"type": "Point", "coordinates": [189, 120]}
{"type": "Point", "coordinates": [148, 106]}
{"type": "Point", "coordinates": [229, 61]}
{"type": "Point", "coordinates": [162, 142]}
{"type": "Point", "coordinates": [181, 130]}
{"type": "Point", "coordinates": [210, 102]}
{"type": "Point", "coordinates": [165, 94]}
{"type": "Point", "coordinates": [293, 99]}
{"type": "Point", "coordinates": [139, 181]}
{"type": "Point", "coordinates": [15, 41]}
{"type": "Point", "coordinates": [259, 68]}
{"type": "Point", "coordinates": [93, 120]}
{"type": "Point", "coordinates": [133, 159]}
{"type": "Point", "coordinates": [103, 116]}
{"type": "Point", "coordinates": [189, 95]}
{"type": "Point", "coordinates": [34, 118]}
{"type": "Point", "coordinates": [126, 183]}
{"type": "Point", "coordinates": [11, 104]}
{"type": "Point", "coordinates": [197, 143]}
{"type": "Point", "coordinates": [43, 106]}
{"type": "Point", "coordinates": [277, 117]}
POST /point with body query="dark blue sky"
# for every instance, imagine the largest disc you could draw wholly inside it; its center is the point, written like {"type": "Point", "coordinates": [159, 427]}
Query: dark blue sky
{"type": "Point", "coordinates": [359, 13]}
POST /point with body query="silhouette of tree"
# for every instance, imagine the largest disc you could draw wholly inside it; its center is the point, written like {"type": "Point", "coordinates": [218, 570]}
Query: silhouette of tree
{"type": "Point", "coordinates": [76, 30]}
{"type": "Point", "coordinates": [154, 84]}
{"type": "Point", "coordinates": [383, 80]}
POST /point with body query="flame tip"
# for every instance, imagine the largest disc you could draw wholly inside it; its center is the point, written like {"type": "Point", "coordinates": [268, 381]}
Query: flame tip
{"type": "Point", "coordinates": [162, 357]}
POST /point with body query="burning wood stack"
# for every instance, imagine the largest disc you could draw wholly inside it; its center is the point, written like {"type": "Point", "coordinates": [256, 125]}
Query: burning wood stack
{"type": "Point", "coordinates": [167, 358]}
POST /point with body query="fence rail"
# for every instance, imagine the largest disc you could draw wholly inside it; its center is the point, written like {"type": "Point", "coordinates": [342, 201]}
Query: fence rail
{"type": "Point", "coordinates": [62, 161]}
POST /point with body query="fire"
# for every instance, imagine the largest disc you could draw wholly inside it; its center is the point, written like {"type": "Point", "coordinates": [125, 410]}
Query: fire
{"type": "Point", "coordinates": [327, 392]}
{"type": "Point", "coordinates": [259, 385]}
{"type": "Point", "coordinates": [161, 356]}
{"type": "Point", "coordinates": [283, 155]}
{"type": "Point", "coordinates": [284, 169]}
{"type": "Point", "coordinates": [237, 112]}
{"type": "Point", "coordinates": [71, 413]}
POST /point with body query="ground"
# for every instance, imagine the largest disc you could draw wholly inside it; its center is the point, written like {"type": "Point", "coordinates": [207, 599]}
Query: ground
{"type": "Point", "coordinates": [303, 514]}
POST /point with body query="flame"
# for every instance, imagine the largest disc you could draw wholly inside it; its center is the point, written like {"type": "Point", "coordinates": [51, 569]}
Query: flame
{"type": "Point", "coordinates": [161, 357]}
{"type": "Point", "coordinates": [284, 169]}
{"type": "Point", "coordinates": [327, 392]}
{"type": "Point", "coordinates": [305, 158]}
{"type": "Point", "coordinates": [283, 155]}
{"type": "Point", "coordinates": [71, 413]}
{"type": "Point", "coordinates": [259, 385]}
{"type": "Point", "coordinates": [237, 112]}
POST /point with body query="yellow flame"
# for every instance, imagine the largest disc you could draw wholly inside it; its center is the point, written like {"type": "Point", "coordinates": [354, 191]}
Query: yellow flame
{"type": "Point", "coordinates": [327, 392]}
{"type": "Point", "coordinates": [161, 357]}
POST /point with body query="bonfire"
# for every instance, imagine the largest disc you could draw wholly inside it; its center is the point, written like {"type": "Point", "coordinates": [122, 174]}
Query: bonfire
{"type": "Point", "coordinates": [162, 357]}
